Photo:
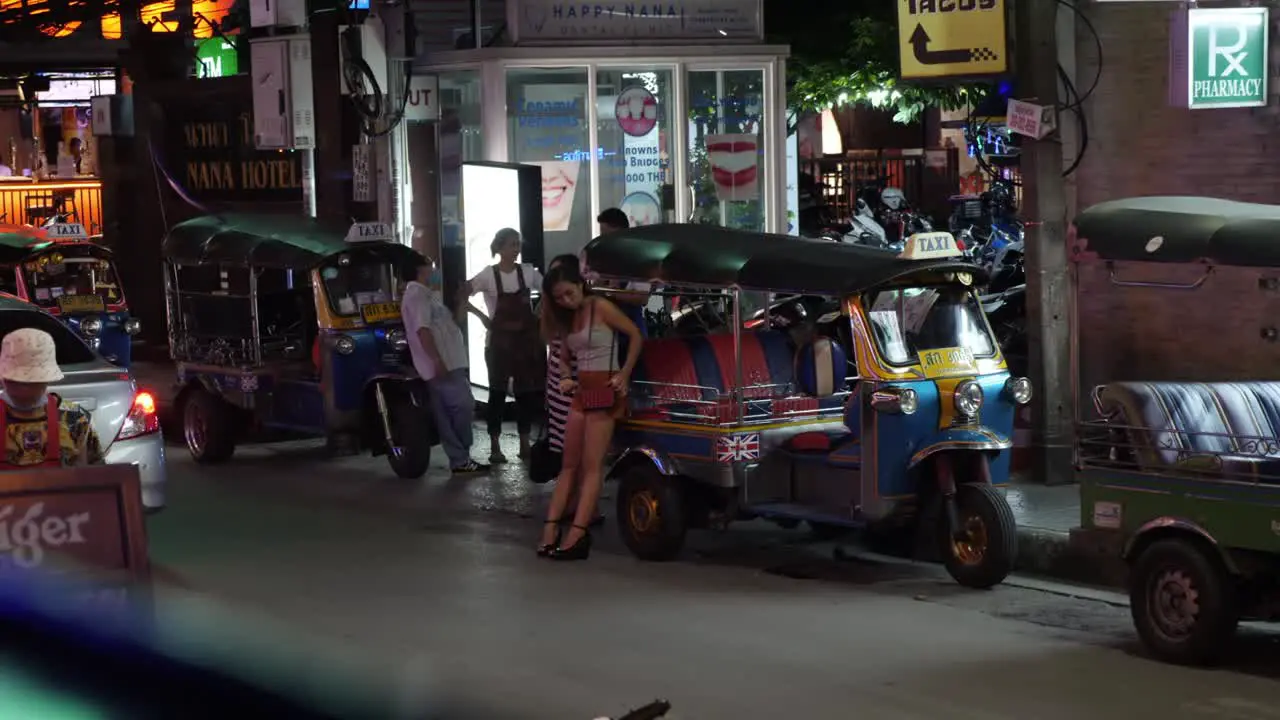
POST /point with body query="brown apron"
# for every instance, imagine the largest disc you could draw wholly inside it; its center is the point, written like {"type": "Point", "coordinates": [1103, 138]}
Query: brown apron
{"type": "Point", "coordinates": [514, 337]}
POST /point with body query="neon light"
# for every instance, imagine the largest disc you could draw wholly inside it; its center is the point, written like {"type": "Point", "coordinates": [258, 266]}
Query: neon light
{"type": "Point", "coordinates": [155, 15]}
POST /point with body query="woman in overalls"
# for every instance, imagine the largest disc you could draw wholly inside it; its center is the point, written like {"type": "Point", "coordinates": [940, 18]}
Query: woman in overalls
{"type": "Point", "coordinates": [514, 351]}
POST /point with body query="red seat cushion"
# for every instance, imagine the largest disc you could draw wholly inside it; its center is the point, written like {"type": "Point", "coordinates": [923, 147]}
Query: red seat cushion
{"type": "Point", "coordinates": [810, 442]}
{"type": "Point", "coordinates": [756, 377]}
{"type": "Point", "coordinates": [667, 363]}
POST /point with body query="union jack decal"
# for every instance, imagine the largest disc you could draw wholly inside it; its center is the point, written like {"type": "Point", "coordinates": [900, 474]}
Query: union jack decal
{"type": "Point", "coordinates": [738, 447]}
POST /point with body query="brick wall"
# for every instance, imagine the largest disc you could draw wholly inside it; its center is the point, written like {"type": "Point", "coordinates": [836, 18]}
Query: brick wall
{"type": "Point", "coordinates": [1138, 145]}
{"type": "Point", "coordinates": [1211, 333]}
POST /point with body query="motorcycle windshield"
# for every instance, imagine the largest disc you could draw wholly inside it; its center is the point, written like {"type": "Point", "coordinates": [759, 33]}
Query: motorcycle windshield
{"type": "Point", "coordinates": [908, 322]}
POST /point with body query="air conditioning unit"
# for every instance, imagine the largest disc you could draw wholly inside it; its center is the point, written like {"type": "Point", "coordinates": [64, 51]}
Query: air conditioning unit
{"type": "Point", "coordinates": [283, 103]}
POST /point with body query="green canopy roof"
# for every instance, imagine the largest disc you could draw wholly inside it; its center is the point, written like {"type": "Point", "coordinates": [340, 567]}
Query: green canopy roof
{"type": "Point", "coordinates": [19, 241]}
{"type": "Point", "coordinates": [264, 240]}
{"type": "Point", "coordinates": [1189, 229]}
{"type": "Point", "coordinates": [712, 256]}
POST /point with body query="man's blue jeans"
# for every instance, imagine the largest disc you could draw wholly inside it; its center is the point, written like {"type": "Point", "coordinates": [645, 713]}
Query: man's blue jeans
{"type": "Point", "coordinates": [454, 409]}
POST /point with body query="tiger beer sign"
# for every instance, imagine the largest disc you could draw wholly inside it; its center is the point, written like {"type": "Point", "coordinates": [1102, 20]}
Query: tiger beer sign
{"type": "Point", "coordinates": [81, 524]}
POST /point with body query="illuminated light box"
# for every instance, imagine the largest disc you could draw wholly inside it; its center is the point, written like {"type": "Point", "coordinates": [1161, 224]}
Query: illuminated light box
{"type": "Point", "coordinates": [496, 196]}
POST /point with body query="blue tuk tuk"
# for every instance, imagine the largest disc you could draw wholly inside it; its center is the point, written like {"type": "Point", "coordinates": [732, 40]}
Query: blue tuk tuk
{"type": "Point", "coordinates": [62, 270]}
{"type": "Point", "coordinates": [902, 417]}
{"type": "Point", "coordinates": [284, 323]}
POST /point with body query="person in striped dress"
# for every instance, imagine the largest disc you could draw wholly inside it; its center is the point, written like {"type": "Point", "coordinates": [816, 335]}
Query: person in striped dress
{"type": "Point", "coordinates": [557, 401]}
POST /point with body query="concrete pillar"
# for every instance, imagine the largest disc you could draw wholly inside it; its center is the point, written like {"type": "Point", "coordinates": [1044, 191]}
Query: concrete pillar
{"type": "Point", "coordinates": [1044, 208]}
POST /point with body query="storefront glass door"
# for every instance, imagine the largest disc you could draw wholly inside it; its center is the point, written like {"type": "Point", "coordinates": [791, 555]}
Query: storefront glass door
{"type": "Point", "coordinates": [726, 147]}
{"type": "Point", "coordinates": [548, 125]}
{"type": "Point", "coordinates": [634, 130]}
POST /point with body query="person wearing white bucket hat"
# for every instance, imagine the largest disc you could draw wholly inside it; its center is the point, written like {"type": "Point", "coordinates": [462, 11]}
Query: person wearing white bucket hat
{"type": "Point", "coordinates": [36, 430]}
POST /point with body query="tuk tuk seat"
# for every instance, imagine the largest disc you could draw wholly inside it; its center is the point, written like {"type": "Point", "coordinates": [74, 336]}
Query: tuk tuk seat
{"type": "Point", "coordinates": [1188, 426]}
{"type": "Point", "coordinates": [692, 377]}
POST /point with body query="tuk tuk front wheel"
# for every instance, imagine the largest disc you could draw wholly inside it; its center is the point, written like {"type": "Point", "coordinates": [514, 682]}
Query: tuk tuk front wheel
{"type": "Point", "coordinates": [411, 430]}
{"type": "Point", "coordinates": [652, 514]}
{"type": "Point", "coordinates": [984, 556]}
{"type": "Point", "coordinates": [1183, 602]}
{"type": "Point", "coordinates": [208, 427]}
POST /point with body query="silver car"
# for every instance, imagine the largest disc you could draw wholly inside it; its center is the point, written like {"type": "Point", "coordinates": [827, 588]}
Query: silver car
{"type": "Point", "coordinates": [124, 418]}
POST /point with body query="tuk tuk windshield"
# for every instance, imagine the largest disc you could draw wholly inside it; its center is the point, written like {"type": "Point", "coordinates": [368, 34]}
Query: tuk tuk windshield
{"type": "Point", "coordinates": [910, 320]}
{"type": "Point", "coordinates": [352, 287]}
{"type": "Point", "coordinates": [54, 278]}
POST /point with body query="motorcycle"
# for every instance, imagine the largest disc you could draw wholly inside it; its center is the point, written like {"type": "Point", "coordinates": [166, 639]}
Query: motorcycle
{"type": "Point", "coordinates": [1006, 312]}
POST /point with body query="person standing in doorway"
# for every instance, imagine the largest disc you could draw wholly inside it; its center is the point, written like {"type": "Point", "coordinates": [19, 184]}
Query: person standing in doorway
{"type": "Point", "coordinates": [514, 351]}
{"type": "Point", "coordinates": [632, 297]}
{"type": "Point", "coordinates": [440, 357]}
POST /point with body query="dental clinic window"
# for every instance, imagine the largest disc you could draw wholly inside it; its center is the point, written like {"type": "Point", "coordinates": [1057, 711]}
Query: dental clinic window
{"type": "Point", "coordinates": [634, 133]}
{"type": "Point", "coordinates": [726, 147]}
{"type": "Point", "coordinates": [547, 117]}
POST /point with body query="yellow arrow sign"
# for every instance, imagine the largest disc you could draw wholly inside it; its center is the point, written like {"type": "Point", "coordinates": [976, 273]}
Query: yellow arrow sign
{"type": "Point", "coordinates": [952, 38]}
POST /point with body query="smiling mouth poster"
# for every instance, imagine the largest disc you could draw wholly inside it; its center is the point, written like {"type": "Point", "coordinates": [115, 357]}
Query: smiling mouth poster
{"type": "Point", "coordinates": [551, 132]}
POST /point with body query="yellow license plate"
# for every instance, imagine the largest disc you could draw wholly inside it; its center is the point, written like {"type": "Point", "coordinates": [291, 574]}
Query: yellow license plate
{"type": "Point", "coordinates": [80, 303]}
{"type": "Point", "coordinates": [380, 312]}
{"type": "Point", "coordinates": [947, 361]}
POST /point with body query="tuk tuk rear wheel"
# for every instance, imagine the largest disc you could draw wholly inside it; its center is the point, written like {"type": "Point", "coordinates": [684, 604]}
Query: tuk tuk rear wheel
{"type": "Point", "coordinates": [411, 428]}
{"type": "Point", "coordinates": [208, 427]}
{"type": "Point", "coordinates": [1183, 602]}
{"type": "Point", "coordinates": [652, 514]}
{"type": "Point", "coordinates": [986, 554]}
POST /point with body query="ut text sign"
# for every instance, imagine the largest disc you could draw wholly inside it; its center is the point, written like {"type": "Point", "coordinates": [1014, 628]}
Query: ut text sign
{"type": "Point", "coordinates": [1226, 57]}
{"type": "Point", "coordinates": [952, 38]}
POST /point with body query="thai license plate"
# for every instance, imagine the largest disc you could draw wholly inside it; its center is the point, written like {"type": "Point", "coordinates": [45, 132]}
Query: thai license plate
{"type": "Point", "coordinates": [380, 312]}
{"type": "Point", "coordinates": [947, 361]}
{"type": "Point", "coordinates": [80, 303]}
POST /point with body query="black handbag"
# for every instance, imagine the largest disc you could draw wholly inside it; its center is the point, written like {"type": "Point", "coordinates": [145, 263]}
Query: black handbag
{"type": "Point", "coordinates": [545, 461]}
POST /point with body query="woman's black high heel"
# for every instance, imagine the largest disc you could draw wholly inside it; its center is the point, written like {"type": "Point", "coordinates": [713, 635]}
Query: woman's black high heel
{"type": "Point", "coordinates": [577, 551]}
{"type": "Point", "coordinates": [550, 548]}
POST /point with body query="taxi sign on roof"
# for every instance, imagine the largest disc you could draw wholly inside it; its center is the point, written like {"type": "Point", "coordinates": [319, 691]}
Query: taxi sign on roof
{"type": "Point", "coordinates": [952, 38]}
{"type": "Point", "coordinates": [930, 246]}
{"type": "Point", "coordinates": [370, 232]}
{"type": "Point", "coordinates": [67, 231]}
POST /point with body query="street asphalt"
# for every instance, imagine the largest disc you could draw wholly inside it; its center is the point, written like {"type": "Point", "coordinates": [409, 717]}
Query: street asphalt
{"type": "Point", "coordinates": [435, 582]}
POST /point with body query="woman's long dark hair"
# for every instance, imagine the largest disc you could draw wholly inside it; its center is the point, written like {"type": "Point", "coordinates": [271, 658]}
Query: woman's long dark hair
{"type": "Point", "coordinates": [558, 321]}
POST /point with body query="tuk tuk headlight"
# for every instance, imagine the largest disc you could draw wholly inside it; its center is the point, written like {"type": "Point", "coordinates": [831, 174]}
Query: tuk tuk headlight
{"type": "Point", "coordinates": [397, 340]}
{"type": "Point", "coordinates": [344, 345]}
{"type": "Point", "coordinates": [91, 327]}
{"type": "Point", "coordinates": [968, 398]}
{"type": "Point", "coordinates": [1018, 389]}
{"type": "Point", "coordinates": [133, 326]}
{"type": "Point", "coordinates": [895, 400]}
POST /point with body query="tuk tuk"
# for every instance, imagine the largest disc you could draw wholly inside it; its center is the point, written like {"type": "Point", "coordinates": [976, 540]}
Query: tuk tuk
{"type": "Point", "coordinates": [283, 323]}
{"type": "Point", "coordinates": [1178, 443]}
{"type": "Point", "coordinates": [62, 270]}
{"type": "Point", "coordinates": [901, 418]}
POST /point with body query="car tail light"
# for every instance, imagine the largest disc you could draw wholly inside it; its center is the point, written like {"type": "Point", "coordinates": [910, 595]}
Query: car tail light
{"type": "Point", "coordinates": [142, 418]}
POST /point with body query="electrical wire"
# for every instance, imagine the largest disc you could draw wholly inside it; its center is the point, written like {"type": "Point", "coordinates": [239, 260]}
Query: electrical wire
{"type": "Point", "coordinates": [1074, 104]}
{"type": "Point", "coordinates": [378, 118]}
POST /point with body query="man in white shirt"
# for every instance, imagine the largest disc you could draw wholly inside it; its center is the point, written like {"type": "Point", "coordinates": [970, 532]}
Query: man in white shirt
{"type": "Point", "coordinates": [440, 357]}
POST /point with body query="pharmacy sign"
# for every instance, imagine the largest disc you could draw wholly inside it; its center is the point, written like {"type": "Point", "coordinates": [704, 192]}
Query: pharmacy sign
{"type": "Point", "coordinates": [1227, 57]}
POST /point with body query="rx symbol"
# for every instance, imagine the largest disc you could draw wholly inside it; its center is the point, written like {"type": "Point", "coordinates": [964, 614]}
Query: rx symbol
{"type": "Point", "coordinates": [1232, 54]}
